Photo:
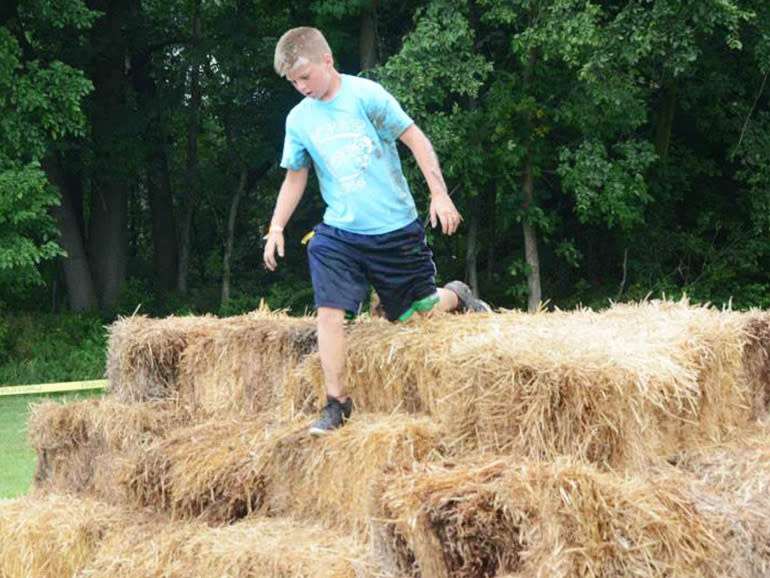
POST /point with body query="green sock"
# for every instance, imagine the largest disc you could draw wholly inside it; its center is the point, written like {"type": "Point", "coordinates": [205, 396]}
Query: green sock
{"type": "Point", "coordinates": [424, 304]}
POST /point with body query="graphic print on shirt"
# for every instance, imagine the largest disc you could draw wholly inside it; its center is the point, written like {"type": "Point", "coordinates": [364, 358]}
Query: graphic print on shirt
{"type": "Point", "coordinates": [346, 149]}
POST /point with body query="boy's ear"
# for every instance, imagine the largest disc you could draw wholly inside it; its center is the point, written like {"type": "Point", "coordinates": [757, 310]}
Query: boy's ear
{"type": "Point", "coordinates": [328, 59]}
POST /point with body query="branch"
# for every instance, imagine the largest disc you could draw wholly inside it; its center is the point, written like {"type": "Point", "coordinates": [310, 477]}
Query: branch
{"type": "Point", "coordinates": [753, 106]}
{"type": "Point", "coordinates": [623, 280]}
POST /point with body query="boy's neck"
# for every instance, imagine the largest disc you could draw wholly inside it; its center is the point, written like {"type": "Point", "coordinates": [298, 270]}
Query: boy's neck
{"type": "Point", "coordinates": [334, 86]}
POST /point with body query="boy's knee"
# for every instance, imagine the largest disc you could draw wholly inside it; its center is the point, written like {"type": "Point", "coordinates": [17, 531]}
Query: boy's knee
{"type": "Point", "coordinates": [329, 316]}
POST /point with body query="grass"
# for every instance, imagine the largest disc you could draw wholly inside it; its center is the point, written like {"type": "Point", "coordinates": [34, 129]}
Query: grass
{"type": "Point", "coordinates": [17, 459]}
{"type": "Point", "coordinates": [40, 348]}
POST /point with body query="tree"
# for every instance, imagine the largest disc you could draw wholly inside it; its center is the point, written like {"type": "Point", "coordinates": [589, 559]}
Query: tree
{"type": "Point", "coordinates": [40, 106]}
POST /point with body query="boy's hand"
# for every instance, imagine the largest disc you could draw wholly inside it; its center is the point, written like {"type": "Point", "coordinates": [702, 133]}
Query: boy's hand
{"type": "Point", "coordinates": [274, 241]}
{"type": "Point", "coordinates": [443, 210]}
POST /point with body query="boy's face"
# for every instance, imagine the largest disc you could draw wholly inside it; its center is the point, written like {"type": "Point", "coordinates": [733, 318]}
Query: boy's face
{"type": "Point", "coordinates": [314, 79]}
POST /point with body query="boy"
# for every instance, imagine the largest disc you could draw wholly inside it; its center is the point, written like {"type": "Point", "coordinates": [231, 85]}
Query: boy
{"type": "Point", "coordinates": [347, 127]}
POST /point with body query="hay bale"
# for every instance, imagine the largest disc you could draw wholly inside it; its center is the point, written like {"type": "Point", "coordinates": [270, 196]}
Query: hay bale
{"type": "Point", "coordinates": [50, 536]}
{"type": "Point", "coordinates": [615, 387]}
{"type": "Point", "coordinates": [81, 445]}
{"type": "Point", "coordinates": [268, 548]}
{"type": "Point", "coordinates": [224, 469]}
{"type": "Point", "coordinates": [143, 354]}
{"type": "Point", "coordinates": [210, 470]}
{"type": "Point", "coordinates": [739, 472]}
{"type": "Point", "coordinates": [331, 479]}
{"type": "Point", "coordinates": [241, 364]}
{"type": "Point", "coordinates": [757, 359]}
{"type": "Point", "coordinates": [560, 519]}
{"type": "Point", "coordinates": [738, 468]}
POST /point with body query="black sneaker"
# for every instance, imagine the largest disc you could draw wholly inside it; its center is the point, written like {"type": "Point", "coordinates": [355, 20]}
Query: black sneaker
{"type": "Point", "coordinates": [468, 301]}
{"type": "Point", "coordinates": [334, 415]}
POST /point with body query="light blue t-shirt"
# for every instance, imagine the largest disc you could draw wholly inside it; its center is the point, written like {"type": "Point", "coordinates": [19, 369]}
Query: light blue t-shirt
{"type": "Point", "coordinates": [351, 141]}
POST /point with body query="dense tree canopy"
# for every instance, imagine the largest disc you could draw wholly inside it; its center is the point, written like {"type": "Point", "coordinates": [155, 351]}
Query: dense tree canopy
{"type": "Point", "coordinates": [597, 149]}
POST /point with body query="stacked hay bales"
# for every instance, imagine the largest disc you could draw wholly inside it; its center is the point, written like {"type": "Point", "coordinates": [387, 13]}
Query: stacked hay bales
{"type": "Point", "coordinates": [243, 363]}
{"type": "Point", "coordinates": [51, 536]}
{"type": "Point", "coordinates": [560, 519]}
{"type": "Point", "coordinates": [552, 444]}
{"type": "Point", "coordinates": [225, 469]}
{"type": "Point", "coordinates": [617, 388]}
{"type": "Point", "coordinates": [88, 446]}
{"type": "Point", "coordinates": [143, 354]}
{"type": "Point", "coordinates": [267, 548]}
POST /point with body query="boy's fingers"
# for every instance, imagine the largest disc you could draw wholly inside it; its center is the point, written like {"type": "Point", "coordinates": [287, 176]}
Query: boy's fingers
{"type": "Point", "coordinates": [269, 256]}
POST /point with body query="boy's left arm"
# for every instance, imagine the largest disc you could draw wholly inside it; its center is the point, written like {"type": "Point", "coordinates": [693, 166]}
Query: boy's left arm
{"type": "Point", "coordinates": [442, 209]}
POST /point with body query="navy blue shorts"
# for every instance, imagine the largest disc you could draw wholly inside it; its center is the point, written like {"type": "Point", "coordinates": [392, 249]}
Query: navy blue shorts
{"type": "Point", "coordinates": [398, 264]}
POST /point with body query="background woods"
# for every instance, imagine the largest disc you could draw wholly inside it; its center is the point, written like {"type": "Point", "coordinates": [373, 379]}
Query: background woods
{"type": "Point", "coordinates": [598, 150]}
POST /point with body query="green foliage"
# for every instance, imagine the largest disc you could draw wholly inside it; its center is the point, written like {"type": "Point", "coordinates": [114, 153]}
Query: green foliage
{"type": "Point", "coordinates": [45, 348]}
{"type": "Point", "coordinates": [437, 61]}
{"type": "Point", "coordinates": [644, 125]}
{"type": "Point", "coordinates": [610, 189]}
{"type": "Point", "coordinates": [39, 104]}
{"type": "Point", "coordinates": [27, 232]}
{"type": "Point", "coordinates": [61, 13]}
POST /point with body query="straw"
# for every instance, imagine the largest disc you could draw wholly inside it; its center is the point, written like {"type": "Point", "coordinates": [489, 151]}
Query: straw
{"type": "Point", "coordinates": [268, 548]}
{"type": "Point", "coordinates": [222, 470]}
{"type": "Point", "coordinates": [50, 536]}
{"type": "Point", "coordinates": [562, 519]}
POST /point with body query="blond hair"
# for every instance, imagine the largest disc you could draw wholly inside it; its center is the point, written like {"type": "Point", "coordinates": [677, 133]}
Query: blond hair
{"type": "Point", "coordinates": [299, 46]}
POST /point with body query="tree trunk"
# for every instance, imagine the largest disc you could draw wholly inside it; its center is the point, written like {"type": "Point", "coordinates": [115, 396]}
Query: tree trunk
{"type": "Point", "coordinates": [471, 261]}
{"type": "Point", "coordinates": [191, 162]}
{"type": "Point", "coordinates": [165, 255]}
{"type": "Point", "coordinates": [490, 219]}
{"type": "Point", "coordinates": [160, 196]}
{"type": "Point", "coordinates": [530, 235]}
{"type": "Point", "coordinates": [81, 293]}
{"type": "Point", "coordinates": [229, 241]}
{"type": "Point", "coordinates": [108, 217]}
{"type": "Point", "coordinates": [530, 241]}
{"type": "Point", "coordinates": [665, 121]}
{"type": "Point", "coordinates": [369, 36]}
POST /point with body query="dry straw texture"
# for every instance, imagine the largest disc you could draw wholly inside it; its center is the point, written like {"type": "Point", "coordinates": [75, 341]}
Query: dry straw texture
{"type": "Point", "coordinates": [242, 363]}
{"type": "Point", "coordinates": [224, 469]}
{"type": "Point", "coordinates": [264, 548]}
{"type": "Point", "coordinates": [211, 470]}
{"type": "Point", "coordinates": [554, 520]}
{"type": "Point", "coordinates": [143, 354]}
{"type": "Point", "coordinates": [50, 536]}
{"type": "Point", "coordinates": [739, 468]}
{"type": "Point", "coordinates": [84, 446]}
{"type": "Point", "coordinates": [757, 358]}
{"type": "Point", "coordinates": [617, 388]}
{"type": "Point", "coordinates": [623, 388]}
{"type": "Point", "coordinates": [331, 479]}
{"type": "Point", "coordinates": [739, 471]}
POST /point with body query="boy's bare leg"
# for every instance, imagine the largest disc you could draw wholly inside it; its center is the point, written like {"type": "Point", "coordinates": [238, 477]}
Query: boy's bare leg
{"type": "Point", "coordinates": [331, 348]}
{"type": "Point", "coordinates": [447, 300]}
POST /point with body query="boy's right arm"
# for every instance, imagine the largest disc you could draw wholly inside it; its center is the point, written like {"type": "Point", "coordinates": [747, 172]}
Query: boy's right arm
{"type": "Point", "coordinates": [288, 198]}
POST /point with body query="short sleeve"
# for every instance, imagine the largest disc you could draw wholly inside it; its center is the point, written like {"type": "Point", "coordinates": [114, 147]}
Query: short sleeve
{"type": "Point", "coordinates": [386, 114]}
{"type": "Point", "coordinates": [295, 155]}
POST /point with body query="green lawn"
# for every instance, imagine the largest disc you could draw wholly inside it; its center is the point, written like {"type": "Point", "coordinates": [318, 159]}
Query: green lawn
{"type": "Point", "coordinates": [17, 459]}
